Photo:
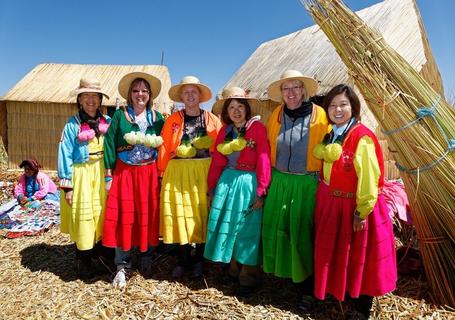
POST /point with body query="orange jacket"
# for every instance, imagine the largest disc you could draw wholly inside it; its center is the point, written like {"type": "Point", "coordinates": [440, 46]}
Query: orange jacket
{"type": "Point", "coordinates": [172, 133]}
{"type": "Point", "coordinates": [318, 129]}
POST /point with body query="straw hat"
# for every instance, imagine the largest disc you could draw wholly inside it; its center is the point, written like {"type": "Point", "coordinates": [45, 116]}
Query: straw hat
{"type": "Point", "coordinates": [274, 90]}
{"type": "Point", "coordinates": [232, 93]}
{"type": "Point", "coordinates": [174, 91]}
{"type": "Point", "coordinates": [88, 85]}
{"type": "Point", "coordinates": [125, 83]}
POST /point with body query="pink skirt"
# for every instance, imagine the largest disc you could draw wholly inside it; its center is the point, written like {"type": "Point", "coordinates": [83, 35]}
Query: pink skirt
{"type": "Point", "coordinates": [357, 263]}
{"type": "Point", "coordinates": [132, 210]}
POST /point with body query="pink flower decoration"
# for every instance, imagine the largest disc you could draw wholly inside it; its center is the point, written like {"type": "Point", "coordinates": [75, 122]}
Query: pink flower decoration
{"type": "Point", "coordinates": [103, 127]}
{"type": "Point", "coordinates": [86, 135]}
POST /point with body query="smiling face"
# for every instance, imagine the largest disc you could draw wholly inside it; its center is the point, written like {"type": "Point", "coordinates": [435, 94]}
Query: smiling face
{"type": "Point", "coordinates": [90, 102]}
{"type": "Point", "coordinates": [140, 95]}
{"type": "Point", "coordinates": [340, 110]}
{"type": "Point", "coordinates": [293, 93]}
{"type": "Point", "coordinates": [191, 96]}
{"type": "Point", "coordinates": [237, 113]}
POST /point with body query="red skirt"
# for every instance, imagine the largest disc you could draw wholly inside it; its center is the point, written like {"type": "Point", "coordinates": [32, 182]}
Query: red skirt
{"type": "Point", "coordinates": [358, 263]}
{"type": "Point", "coordinates": [132, 210]}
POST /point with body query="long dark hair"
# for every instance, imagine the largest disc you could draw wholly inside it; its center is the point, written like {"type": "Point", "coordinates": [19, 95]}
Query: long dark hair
{"type": "Point", "coordinates": [349, 93]}
{"type": "Point", "coordinates": [224, 113]}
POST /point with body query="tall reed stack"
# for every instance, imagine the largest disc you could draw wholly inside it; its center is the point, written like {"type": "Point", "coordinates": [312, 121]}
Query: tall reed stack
{"type": "Point", "coordinates": [417, 122]}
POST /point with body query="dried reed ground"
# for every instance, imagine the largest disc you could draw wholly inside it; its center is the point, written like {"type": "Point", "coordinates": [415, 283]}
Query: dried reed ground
{"type": "Point", "coordinates": [38, 281]}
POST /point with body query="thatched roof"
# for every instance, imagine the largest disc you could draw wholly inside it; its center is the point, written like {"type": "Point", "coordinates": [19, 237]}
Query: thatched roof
{"type": "Point", "coordinates": [309, 51]}
{"type": "Point", "coordinates": [53, 82]}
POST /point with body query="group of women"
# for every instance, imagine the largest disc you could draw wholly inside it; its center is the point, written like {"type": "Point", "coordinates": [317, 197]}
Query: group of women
{"type": "Point", "coordinates": [299, 198]}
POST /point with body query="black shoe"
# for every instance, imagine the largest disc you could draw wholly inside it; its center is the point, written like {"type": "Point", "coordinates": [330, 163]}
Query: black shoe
{"type": "Point", "coordinates": [356, 315]}
{"type": "Point", "coordinates": [307, 303]}
{"type": "Point", "coordinates": [245, 291]}
{"type": "Point", "coordinates": [84, 269]}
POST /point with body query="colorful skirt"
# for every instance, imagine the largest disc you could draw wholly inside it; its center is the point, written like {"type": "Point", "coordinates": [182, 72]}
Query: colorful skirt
{"type": "Point", "coordinates": [132, 212]}
{"type": "Point", "coordinates": [234, 231]}
{"type": "Point", "coordinates": [287, 230]}
{"type": "Point", "coordinates": [358, 263]}
{"type": "Point", "coordinates": [83, 221]}
{"type": "Point", "coordinates": [184, 207]}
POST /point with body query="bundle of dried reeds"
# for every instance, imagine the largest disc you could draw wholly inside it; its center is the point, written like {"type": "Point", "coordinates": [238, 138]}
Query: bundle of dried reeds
{"type": "Point", "coordinates": [418, 123]}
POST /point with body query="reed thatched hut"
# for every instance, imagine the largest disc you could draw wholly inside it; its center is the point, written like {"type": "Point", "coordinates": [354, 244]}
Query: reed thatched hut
{"type": "Point", "coordinates": [34, 111]}
{"type": "Point", "coordinates": [309, 50]}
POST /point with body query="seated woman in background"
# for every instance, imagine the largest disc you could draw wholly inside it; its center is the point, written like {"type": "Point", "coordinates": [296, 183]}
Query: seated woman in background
{"type": "Point", "coordinates": [34, 184]}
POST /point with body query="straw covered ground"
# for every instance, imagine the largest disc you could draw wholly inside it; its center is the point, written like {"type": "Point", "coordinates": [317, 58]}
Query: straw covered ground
{"type": "Point", "coordinates": [38, 281]}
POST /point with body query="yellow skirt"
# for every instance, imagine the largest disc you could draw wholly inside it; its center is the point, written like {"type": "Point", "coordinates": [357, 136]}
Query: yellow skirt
{"type": "Point", "coordinates": [83, 221]}
{"type": "Point", "coordinates": [183, 201]}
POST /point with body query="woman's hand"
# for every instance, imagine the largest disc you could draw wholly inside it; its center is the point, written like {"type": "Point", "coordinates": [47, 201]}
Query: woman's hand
{"type": "Point", "coordinates": [69, 197]}
{"type": "Point", "coordinates": [358, 224]}
{"type": "Point", "coordinates": [23, 200]}
{"type": "Point", "coordinates": [107, 185]}
{"type": "Point", "coordinates": [258, 203]}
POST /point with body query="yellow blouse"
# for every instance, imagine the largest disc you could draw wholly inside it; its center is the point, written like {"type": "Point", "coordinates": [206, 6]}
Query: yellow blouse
{"type": "Point", "coordinates": [368, 172]}
{"type": "Point", "coordinates": [95, 148]}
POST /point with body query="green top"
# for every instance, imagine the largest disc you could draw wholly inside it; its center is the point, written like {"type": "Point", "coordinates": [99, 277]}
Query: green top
{"type": "Point", "coordinates": [119, 126]}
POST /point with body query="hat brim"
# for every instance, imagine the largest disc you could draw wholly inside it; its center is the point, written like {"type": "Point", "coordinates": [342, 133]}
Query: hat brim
{"type": "Point", "coordinates": [174, 92]}
{"type": "Point", "coordinates": [274, 90]}
{"type": "Point", "coordinates": [88, 90]}
{"type": "Point", "coordinates": [218, 105]}
{"type": "Point", "coordinates": [125, 83]}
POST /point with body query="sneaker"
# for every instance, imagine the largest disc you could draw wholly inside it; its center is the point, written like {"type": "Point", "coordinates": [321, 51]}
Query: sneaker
{"type": "Point", "coordinates": [120, 279]}
{"type": "Point", "coordinates": [198, 270]}
{"type": "Point", "coordinates": [307, 303]}
{"type": "Point", "coordinates": [178, 272]}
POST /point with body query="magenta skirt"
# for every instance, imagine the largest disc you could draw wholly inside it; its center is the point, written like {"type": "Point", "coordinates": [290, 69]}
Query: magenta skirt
{"type": "Point", "coordinates": [132, 210]}
{"type": "Point", "coordinates": [357, 263]}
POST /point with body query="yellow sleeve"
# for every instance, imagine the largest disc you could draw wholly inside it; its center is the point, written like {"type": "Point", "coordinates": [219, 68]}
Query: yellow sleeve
{"type": "Point", "coordinates": [368, 173]}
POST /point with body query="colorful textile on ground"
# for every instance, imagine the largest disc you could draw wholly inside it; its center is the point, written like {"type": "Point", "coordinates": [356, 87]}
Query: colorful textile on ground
{"type": "Point", "coordinates": [287, 230]}
{"type": "Point", "coordinates": [234, 230]}
{"type": "Point", "coordinates": [34, 218]}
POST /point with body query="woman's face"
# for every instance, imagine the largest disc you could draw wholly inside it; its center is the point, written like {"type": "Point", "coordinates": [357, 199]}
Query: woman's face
{"type": "Point", "coordinates": [28, 171]}
{"type": "Point", "coordinates": [90, 102]}
{"type": "Point", "coordinates": [140, 95]}
{"type": "Point", "coordinates": [340, 110]}
{"type": "Point", "coordinates": [293, 93]}
{"type": "Point", "coordinates": [237, 113]}
{"type": "Point", "coordinates": [190, 95]}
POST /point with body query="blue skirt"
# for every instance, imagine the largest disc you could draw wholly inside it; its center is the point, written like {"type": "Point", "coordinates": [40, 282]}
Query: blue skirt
{"type": "Point", "coordinates": [234, 231]}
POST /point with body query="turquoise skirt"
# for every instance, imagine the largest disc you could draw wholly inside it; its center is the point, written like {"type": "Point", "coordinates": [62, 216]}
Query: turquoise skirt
{"type": "Point", "coordinates": [234, 231]}
{"type": "Point", "coordinates": [287, 231]}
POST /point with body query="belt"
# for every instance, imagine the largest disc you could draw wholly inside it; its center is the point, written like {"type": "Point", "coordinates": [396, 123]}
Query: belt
{"type": "Point", "coordinates": [98, 153]}
{"type": "Point", "coordinates": [342, 194]}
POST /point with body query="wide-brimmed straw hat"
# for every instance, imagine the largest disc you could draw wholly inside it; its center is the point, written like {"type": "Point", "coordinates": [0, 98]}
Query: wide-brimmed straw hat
{"type": "Point", "coordinates": [125, 83]}
{"type": "Point", "coordinates": [174, 91]}
{"type": "Point", "coordinates": [88, 85]}
{"type": "Point", "coordinates": [232, 93]}
{"type": "Point", "coordinates": [274, 90]}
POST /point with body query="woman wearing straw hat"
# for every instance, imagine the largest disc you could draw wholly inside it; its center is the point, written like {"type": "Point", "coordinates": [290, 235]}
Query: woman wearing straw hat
{"type": "Point", "coordinates": [131, 144]}
{"type": "Point", "coordinates": [354, 241]}
{"type": "Point", "coordinates": [81, 173]}
{"type": "Point", "coordinates": [238, 179]}
{"type": "Point", "coordinates": [184, 160]}
{"type": "Point", "coordinates": [294, 128]}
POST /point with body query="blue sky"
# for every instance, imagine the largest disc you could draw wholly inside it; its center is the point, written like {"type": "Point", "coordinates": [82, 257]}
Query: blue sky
{"type": "Point", "coordinates": [207, 38]}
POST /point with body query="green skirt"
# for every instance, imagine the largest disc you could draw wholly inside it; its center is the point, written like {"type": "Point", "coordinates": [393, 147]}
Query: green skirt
{"type": "Point", "coordinates": [287, 231]}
